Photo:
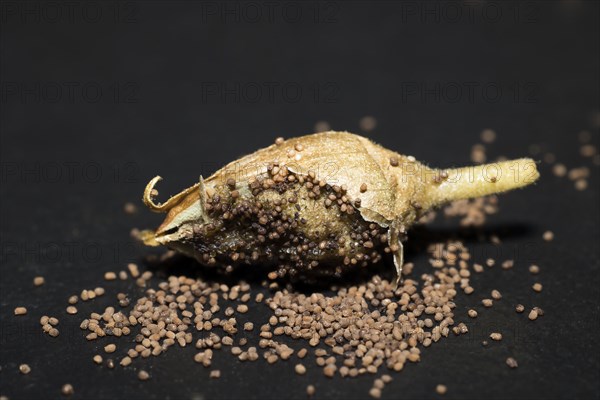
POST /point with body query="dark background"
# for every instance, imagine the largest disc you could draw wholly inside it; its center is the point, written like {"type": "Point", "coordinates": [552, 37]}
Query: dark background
{"type": "Point", "coordinates": [97, 98]}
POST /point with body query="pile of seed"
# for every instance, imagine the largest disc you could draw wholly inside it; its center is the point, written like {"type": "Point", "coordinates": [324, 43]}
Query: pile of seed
{"type": "Point", "coordinates": [364, 329]}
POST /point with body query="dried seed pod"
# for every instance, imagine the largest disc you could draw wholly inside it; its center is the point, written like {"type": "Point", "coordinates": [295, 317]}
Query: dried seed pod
{"type": "Point", "coordinates": [302, 203]}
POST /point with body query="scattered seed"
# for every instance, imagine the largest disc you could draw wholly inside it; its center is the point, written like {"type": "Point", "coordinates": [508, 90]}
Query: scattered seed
{"type": "Point", "coordinates": [300, 369]}
{"type": "Point", "coordinates": [534, 269]}
{"type": "Point", "coordinates": [559, 170]}
{"type": "Point", "coordinates": [548, 236]}
{"type": "Point", "coordinates": [39, 281]}
{"type": "Point", "coordinates": [133, 270]}
{"type": "Point", "coordinates": [20, 311]}
{"type": "Point", "coordinates": [472, 313]}
{"type": "Point", "coordinates": [97, 359]}
{"type": "Point", "coordinates": [441, 389]}
{"type": "Point", "coordinates": [520, 308]}
{"type": "Point", "coordinates": [367, 123]}
{"type": "Point", "coordinates": [488, 136]}
{"type": "Point", "coordinates": [24, 369]}
{"type": "Point", "coordinates": [496, 336]}
{"type": "Point", "coordinates": [487, 303]}
{"type": "Point", "coordinates": [130, 208]}
{"type": "Point", "coordinates": [310, 390]}
{"type": "Point", "coordinates": [110, 276]}
{"type": "Point", "coordinates": [67, 389]}
{"type": "Point", "coordinates": [537, 287]}
{"type": "Point", "coordinates": [496, 295]}
{"type": "Point", "coordinates": [375, 393]}
{"type": "Point", "coordinates": [110, 348]}
{"type": "Point", "coordinates": [215, 374]}
{"type": "Point", "coordinates": [143, 375]}
{"type": "Point", "coordinates": [533, 314]}
{"type": "Point", "coordinates": [71, 310]}
{"type": "Point", "coordinates": [511, 362]}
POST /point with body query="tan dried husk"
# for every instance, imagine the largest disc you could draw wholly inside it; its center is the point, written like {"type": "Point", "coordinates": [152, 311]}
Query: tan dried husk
{"type": "Point", "coordinates": [397, 193]}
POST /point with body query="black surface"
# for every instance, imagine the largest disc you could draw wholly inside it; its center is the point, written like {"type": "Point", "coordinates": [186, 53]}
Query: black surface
{"type": "Point", "coordinates": [69, 165]}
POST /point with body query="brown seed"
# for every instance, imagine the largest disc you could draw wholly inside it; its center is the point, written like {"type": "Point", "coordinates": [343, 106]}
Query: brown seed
{"type": "Point", "coordinates": [310, 390]}
{"type": "Point", "coordinates": [375, 393]}
{"type": "Point", "coordinates": [97, 359]}
{"type": "Point", "coordinates": [548, 236]}
{"type": "Point", "coordinates": [279, 141]}
{"type": "Point", "coordinates": [394, 162]}
{"type": "Point", "coordinates": [110, 348]}
{"type": "Point", "coordinates": [300, 369]}
{"type": "Point", "coordinates": [39, 281]}
{"type": "Point", "coordinates": [537, 287]}
{"type": "Point", "coordinates": [488, 136]}
{"type": "Point", "coordinates": [367, 123]}
{"type": "Point", "coordinates": [71, 310]}
{"type": "Point", "coordinates": [511, 362]}
{"type": "Point", "coordinates": [24, 369]}
{"type": "Point", "coordinates": [133, 270]}
{"type": "Point", "coordinates": [496, 336]}
{"type": "Point", "coordinates": [53, 332]}
{"type": "Point", "coordinates": [329, 370]}
{"type": "Point", "coordinates": [496, 295]}
{"type": "Point", "coordinates": [20, 311]}
{"type": "Point", "coordinates": [67, 389]}
{"type": "Point", "coordinates": [520, 308]}
{"type": "Point", "coordinates": [533, 314]}
{"type": "Point", "coordinates": [534, 269]}
{"type": "Point", "coordinates": [472, 313]}
{"type": "Point", "coordinates": [487, 303]}
{"type": "Point", "coordinates": [130, 208]}
{"type": "Point", "coordinates": [559, 170]}
{"type": "Point", "coordinates": [73, 299]}
{"type": "Point", "coordinates": [363, 188]}
{"type": "Point", "coordinates": [242, 308]}
{"type": "Point", "coordinates": [143, 375]}
{"type": "Point", "coordinates": [110, 276]}
{"type": "Point", "coordinates": [215, 374]}
{"type": "Point", "coordinates": [441, 389]}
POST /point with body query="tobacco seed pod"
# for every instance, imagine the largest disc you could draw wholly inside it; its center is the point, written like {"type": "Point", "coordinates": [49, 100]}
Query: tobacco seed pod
{"type": "Point", "coordinates": [326, 200]}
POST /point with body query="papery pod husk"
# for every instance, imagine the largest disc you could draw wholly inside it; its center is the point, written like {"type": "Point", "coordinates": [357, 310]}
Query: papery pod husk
{"type": "Point", "coordinates": [399, 190]}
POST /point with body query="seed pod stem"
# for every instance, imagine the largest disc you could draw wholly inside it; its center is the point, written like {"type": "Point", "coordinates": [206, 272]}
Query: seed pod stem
{"type": "Point", "coordinates": [483, 180]}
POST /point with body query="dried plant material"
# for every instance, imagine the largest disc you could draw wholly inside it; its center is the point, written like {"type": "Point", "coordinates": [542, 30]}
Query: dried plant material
{"type": "Point", "coordinates": [309, 213]}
